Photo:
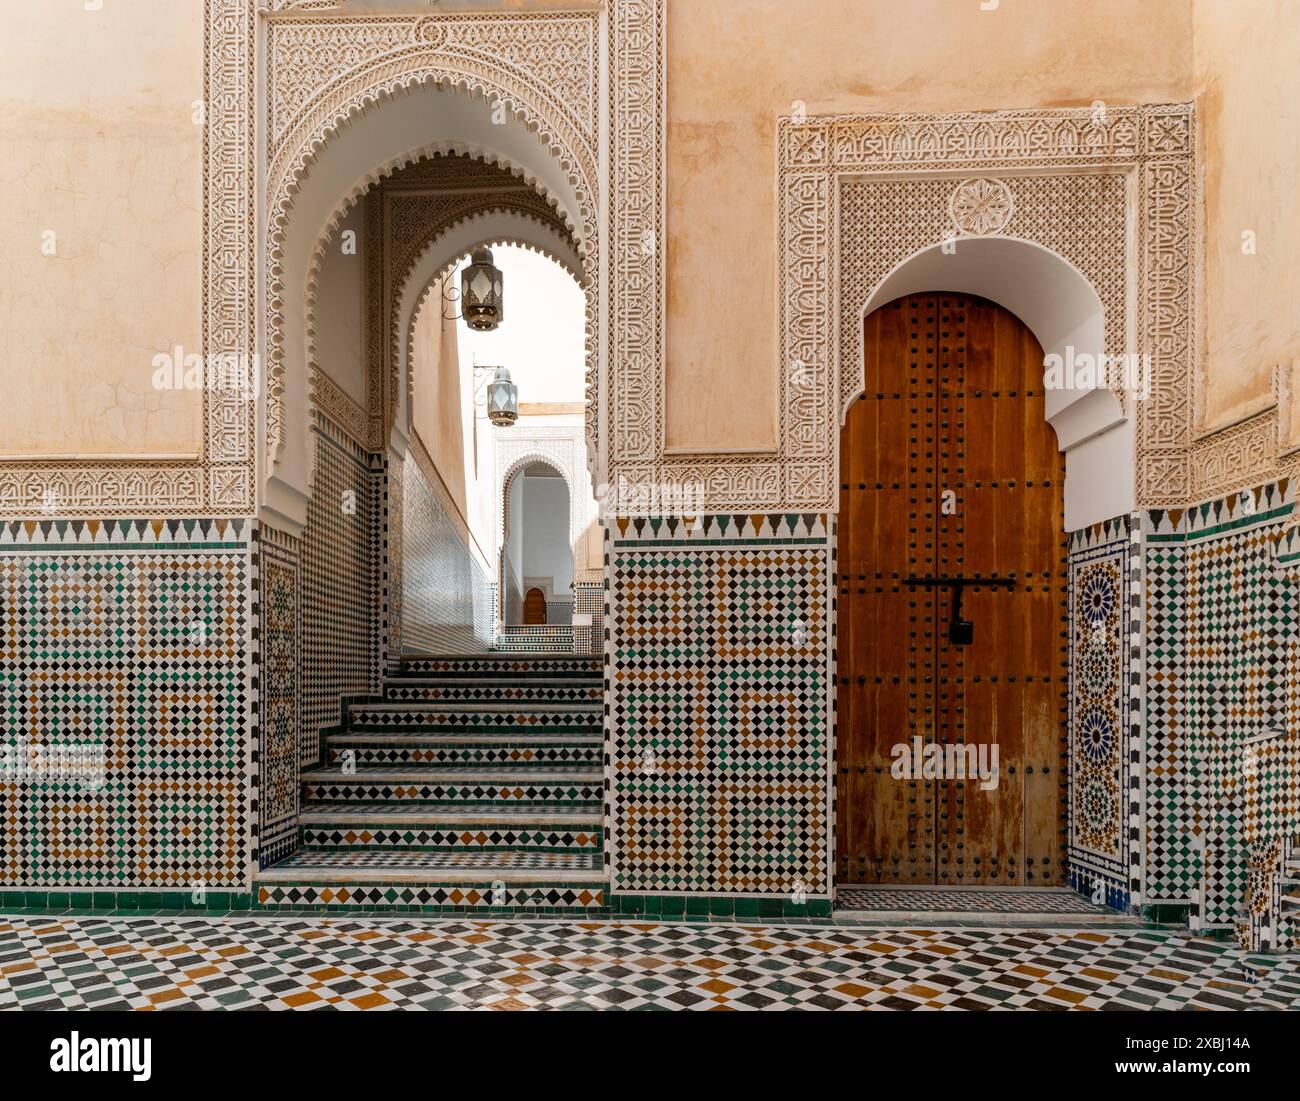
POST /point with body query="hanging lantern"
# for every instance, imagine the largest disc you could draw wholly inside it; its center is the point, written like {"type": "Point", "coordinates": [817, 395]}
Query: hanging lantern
{"type": "Point", "coordinates": [482, 292]}
{"type": "Point", "coordinates": [502, 399]}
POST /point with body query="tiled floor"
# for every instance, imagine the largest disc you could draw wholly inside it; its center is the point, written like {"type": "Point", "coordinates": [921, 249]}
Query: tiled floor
{"type": "Point", "coordinates": [388, 963]}
{"type": "Point", "coordinates": [966, 900]}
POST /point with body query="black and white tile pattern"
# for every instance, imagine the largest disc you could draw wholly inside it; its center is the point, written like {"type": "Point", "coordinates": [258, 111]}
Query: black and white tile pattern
{"type": "Point", "coordinates": [374, 963]}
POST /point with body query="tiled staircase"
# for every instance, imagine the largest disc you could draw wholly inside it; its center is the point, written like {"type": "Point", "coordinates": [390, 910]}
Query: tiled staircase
{"type": "Point", "coordinates": [475, 783]}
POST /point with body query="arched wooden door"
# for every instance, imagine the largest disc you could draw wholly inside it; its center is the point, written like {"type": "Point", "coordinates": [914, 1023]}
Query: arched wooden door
{"type": "Point", "coordinates": [950, 471]}
{"type": "Point", "coordinates": [535, 608]}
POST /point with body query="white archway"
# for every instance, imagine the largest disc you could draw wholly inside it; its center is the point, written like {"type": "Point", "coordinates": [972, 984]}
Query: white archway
{"type": "Point", "coordinates": [393, 132]}
{"type": "Point", "coordinates": [505, 481]}
{"type": "Point", "coordinates": [440, 256]}
{"type": "Point", "coordinates": [1061, 308]}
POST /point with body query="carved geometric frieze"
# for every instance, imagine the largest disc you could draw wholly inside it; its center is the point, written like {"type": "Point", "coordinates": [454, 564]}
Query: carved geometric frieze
{"type": "Point", "coordinates": [859, 194]}
{"type": "Point", "coordinates": [633, 393]}
{"type": "Point", "coordinates": [1235, 457]}
{"type": "Point", "coordinates": [332, 400]}
{"type": "Point", "coordinates": [1081, 216]}
{"type": "Point", "coordinates": [550, 53]}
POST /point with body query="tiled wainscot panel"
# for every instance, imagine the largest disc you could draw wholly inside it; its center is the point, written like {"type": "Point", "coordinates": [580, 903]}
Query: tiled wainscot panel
{"type": "Point", "coordinates": [1219, 619]}
{"type": "Point", "coordinates": [340, 583]}
{"type": "Point", "coordinates": [719, 724]}
{"type": "Point", "coordinates": [448, 605]}
{"type": "Point", "coordinates": [279, 593]}
{"type": "Point", "coordinates": [126, 676]}
{"type": "Point", "coordinates": [1105, 711]}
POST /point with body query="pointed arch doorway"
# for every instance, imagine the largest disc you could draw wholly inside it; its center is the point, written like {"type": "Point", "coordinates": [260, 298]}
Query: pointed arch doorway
{"type": "Point", "coordinates": [951, 743]}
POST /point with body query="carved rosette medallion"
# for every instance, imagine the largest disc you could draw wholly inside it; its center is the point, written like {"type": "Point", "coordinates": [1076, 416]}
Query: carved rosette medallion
{"type": "Point", "coordinates": [982, 206]}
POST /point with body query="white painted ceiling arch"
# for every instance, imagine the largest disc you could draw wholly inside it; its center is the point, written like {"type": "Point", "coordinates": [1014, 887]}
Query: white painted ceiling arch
{"type": "Point", "coordinates": [1058, 304]}
{"type": "Point", "coordinates": [392, 132]}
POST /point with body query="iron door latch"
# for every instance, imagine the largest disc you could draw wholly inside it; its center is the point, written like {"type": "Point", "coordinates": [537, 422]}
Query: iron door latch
{"type": "Point", "coordinates": [961, 632]}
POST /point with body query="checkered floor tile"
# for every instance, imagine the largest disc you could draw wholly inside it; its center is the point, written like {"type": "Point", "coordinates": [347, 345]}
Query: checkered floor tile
{"type": "Point", "coordinates": [966, 901]}
{"type": "Point", "coordinates": [389, 963]}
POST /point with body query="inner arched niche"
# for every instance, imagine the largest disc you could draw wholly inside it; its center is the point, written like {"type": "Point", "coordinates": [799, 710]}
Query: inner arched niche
{"type": "Point", "coordinates": [444, 207]}
{"type": "Point", "coordinates": [1064, 312]}
{"type": "Point", "coordinates": [393, 249]}
{"type": "Point", "coordinates": [521, 533]}
{"type": "Point", "coordinates": [366, 148]}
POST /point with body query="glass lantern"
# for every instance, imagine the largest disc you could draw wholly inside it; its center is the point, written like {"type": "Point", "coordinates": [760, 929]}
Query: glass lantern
{"type": "Point", "coordinates": [482, 292]}
{"type": "Point", "coordinates": [502, 399]}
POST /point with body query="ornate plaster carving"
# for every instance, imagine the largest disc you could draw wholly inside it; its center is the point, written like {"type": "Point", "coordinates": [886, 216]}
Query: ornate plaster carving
{"type": "Point", "coordinates": [323, 72]}
{"type": "Point", "coordinates": [981, 206]}
{"type": "Point", "coordinates": [322, 69]}
{"type": "Point", "coordinates": [630, 396]}
{"type": "Point", "coordinates": [1073, 175]}
{"type": "Point", "coordinates": [1144, 155]}
{"type": "Point", "coordinates": [1002, 173]}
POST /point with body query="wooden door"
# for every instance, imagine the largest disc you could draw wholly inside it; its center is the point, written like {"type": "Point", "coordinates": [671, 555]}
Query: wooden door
{"type": "Point", "coordinates": [534, 608]}
{"type": "Point", "coordinates": [949, 470]}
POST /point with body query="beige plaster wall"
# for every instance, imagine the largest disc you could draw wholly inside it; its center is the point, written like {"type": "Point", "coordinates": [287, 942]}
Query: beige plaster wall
{"type": "Point", "coordinates": [1247, 59]}
{"type": "Point", "coordinates": [445, 420]}
{"type": "Point", "coordinates": [340, 306]}
{"type": "Point", "coordinates": [99, 146]}
{"type": "Point", "coordinates": [734, 66]}
{"type": "Point", "coordinates": [437, 412]}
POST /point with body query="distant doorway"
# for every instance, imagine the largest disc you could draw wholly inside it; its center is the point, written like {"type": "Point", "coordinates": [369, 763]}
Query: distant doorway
{"type": "Point", "coordinates": [535, 608]}
{"type": "Point", "coordinates": [537, 557]}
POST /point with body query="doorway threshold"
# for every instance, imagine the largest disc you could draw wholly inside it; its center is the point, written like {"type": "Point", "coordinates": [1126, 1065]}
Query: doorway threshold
{"type": "Point", "coordinates": [930, 904]}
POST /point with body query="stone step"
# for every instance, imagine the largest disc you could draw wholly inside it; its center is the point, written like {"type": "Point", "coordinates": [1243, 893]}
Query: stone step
{"type": "Point", "coordinates": [510, 719]}
{"type": "Point", "coordinates": [470, 749]}
{"type": "Point", "coordinates": [415, 866]}
{"type": "Point", "coordinates": [530, 666]}
{"type": "Point", "coordinates": [424, 892]}
{"type": "Point", "coordinates": [451, 826]}
{"type": "Point", "coordinates": [423, 689]}
{"type": "Point", "coordinates": [536, 786]}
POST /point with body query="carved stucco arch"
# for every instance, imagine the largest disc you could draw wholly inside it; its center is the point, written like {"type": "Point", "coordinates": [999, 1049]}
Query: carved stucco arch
{"type": "Point", "coordinates": [438, 259]}
{"type": "Point", "coordinates": [495, 220]}
{"type": "Point", "coordinates": [525, 142]}
{"type": "Point", "coordinates": [1066, 314]}
{"type": "Point", "coordinates": [370, 84]}
{"type": "Point", "coordinates": [504, 482]}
